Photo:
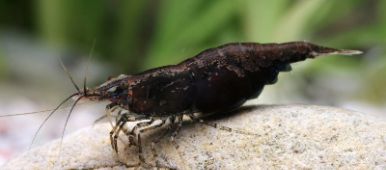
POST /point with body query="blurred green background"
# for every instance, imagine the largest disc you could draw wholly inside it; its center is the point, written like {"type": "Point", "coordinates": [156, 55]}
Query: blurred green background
{"type": "Point", "coordinates": [134, 35]}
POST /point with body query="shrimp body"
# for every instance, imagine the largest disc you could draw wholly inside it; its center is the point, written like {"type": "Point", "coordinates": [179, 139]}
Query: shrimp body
{"type": "Point", "coordinates": [215, 80]}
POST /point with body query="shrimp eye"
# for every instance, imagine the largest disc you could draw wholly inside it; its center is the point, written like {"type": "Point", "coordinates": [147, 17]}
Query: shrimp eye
{"type": "Point", "coordinates": [112, 89]}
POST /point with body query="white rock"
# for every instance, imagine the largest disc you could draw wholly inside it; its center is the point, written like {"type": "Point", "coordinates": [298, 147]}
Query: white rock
{"type": "Point", "coordinates": [295, 137]}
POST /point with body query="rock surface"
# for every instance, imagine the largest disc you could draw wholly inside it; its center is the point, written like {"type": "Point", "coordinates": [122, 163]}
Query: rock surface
{"type": "Point", "coordinates": [295, 137]}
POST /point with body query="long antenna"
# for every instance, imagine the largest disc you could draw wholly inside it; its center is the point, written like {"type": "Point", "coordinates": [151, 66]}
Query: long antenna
{"type": "Point", "coordinates": [49, 115]}
{"type": "Point", "coordinates": [29, 113]}
{"type": "Point", "coordinates": [86, 70]}
{"type": "Point", "coordinates": [69, 75]}
{"type": "Point", "coordinates": [32, 113]}
{"type": "Point", "coordinates": [65, 125]}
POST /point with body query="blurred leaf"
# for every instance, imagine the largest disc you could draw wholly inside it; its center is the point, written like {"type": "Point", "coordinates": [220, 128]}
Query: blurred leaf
{"type": "Point", "coordinates": [364, 37]}
{"type": "Point", "coordinates": [352, 24]}
{"type": "Point", "coordinates": [127, 41]}
{"type": "Point", "coordinates": [3, 65]}
{"type": "Point", "coordinates": [375, 83]}
{"type": "Point", "coordinates": [13, 15]}
{"type": "Point", "coordinates": [50, 19]}
{"type": "Point", "coordinates": [381, 14]}
{"type": "Point", "coordinates": [333, 13]}
{"type": "Point", "coordinates": [173, 16]}
{"type": "Point", "coordinates": [293, 23]}
{"type": "Point", "coordinates": [261, 17]}
{"type": "Point", "coordinates": [71, 23]}
{"type": "Point", "coordinates": [208, 21]}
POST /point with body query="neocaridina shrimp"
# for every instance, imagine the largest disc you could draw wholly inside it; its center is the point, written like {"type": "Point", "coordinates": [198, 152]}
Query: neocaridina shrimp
{"type": "Point", "coordinates": [214, 81]}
